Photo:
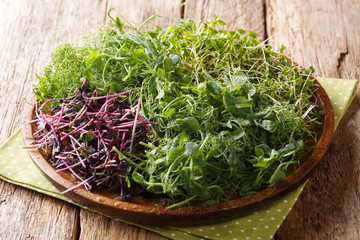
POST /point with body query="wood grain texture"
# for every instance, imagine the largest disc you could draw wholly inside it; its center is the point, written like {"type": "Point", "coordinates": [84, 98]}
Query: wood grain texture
{"type": "Point", "coordinates": [313, 33]}
{"type": "Point", "coordinates": [137, 11]}
{"type": "Point", "coordinates": [107, 229]}
{"type": "Point", "coordinates": [325, 34]}
{"type": "Point", "coordinates": [245, 14]}
{"type": "Point", "coordinates": [25, 214]}
{"type": "Point", "coordinates": [29, 31]}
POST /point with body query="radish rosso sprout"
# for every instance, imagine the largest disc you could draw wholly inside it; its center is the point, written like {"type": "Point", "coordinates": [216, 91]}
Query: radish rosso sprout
{"type": "Point", "coordinates": [80, 134]}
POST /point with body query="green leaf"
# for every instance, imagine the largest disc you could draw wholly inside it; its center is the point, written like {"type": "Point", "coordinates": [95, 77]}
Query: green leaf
{"type": "Point", "coordinates": [199, 161]}
{"type": "Point", "coordinates": [113, 87]}
{"type": "Point", "coordinates": [181, 71]}
{"type": "Point", "coordinates": [170, 112]}
{"type": "Point", "coordinates": [89, 138]}
{"type": "Point", "coordinates": [191, 148]}
{"type": "Point", "coordinates": [228, 99]}
{"type": "Point", "coordinates": [168, 64]}
{"type": "Point", "coordinates": [245, 104]}
{"type": "Point", "coordinates": [241, 31]}
{"type": "Point", "coordinates": [243, 122]}
{"type": "Point", "coordinates": [151, 49]}
{"type": "Point", "coordinates": [119, 24]}
{"type": "Point", "coordinates": [252, 90]}
{"type": "Point", "coordinates": [160, 72]}
{"type": "Point", "coordinates": [258, 115]}
{"type": "Point", "coordinates": [227, 124]}
{"type": "Point", "coordinates": [252, 34]}
{"type": "Point", "coordinates": [89, 76]}
{"type": "Point", "coordinates": [175, 58]}
{"type": "Point", "coordinates": [190, 125]}
{"type": "Point", "coordinates": [261, 163]}
{"type": "Point", "coordinates": [140, 54]}
{"type": "Point", "coordinates": [175, 153]}
{"type": "Point", "coordinates": [180, 139]}
{"type": "Point", "coordinates": [277, 177]}
{"type": "Point", "coordinates": [214, 88]}
{"type": "Point", "coordinates": [266, 149]}
{"type": "Point", "coordinates": [268, 125]}
{"type": "Point", "coordinates": [259, 152]}
{"type": "Point", "coordinates": [220, 22]}
{"type": "Point", "coordinates": [90, 150]}
{"type": "Point", "coordinates": [291, 148]}
{"type": "Point", "coordinates": [236, 135]}
{"type": "Point", "coordinates": [238, 79]}
{"type": "Point", "coordinates": [90, 60]}
{"type": "Point", "coordinates": [161, 94]}
{"type": "Point", "coordinates": [137, 177]}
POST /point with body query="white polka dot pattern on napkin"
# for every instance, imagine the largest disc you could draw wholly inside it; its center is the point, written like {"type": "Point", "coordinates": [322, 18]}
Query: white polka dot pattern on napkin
{"type": "Point", "coordinates": [339, 92]}
{"type": "Point", "coordinates": [14, 158]}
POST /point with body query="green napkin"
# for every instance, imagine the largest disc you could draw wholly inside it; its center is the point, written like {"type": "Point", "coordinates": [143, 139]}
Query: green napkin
{"type": "Point", "coordinates": [17, 167]}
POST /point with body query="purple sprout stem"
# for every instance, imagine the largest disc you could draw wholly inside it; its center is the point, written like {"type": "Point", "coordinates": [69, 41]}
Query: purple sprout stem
{"type": "Point", "coordinates": [56, 118]}
{"type": "Point", "coordinates": [119, 130]}
{"type": "Point", "coordinates": [76, 130]}
{"type": "Point", "coordinates": [104, 113]}
{"type": "Point", "coordinates": [125, 125]}
{"type": "Point", "coordinates": [135, 123]}
{"type": "Point", "coordinates": [76, 151]}
{"type": "Point", "coordinates": [67, 168]}
{"type": "Point", "coordinates": [112, 95]}
{"type": "Point", "coordinates": [76, 186]}
{"type": "Point", "coordinates": [61, 114]}
{"type": "Point", "coordinates": [104, 106]}
{"type": "Point", "coordinates": [74, 173]}
{"type": "Point", "coordinates": [52, 127]}
{"type": "Point", "coordinates": [46, 102]}
{"type": "Point", "coordinates": [122, 142]}
{"type": "Point", "coordinates": [129, 111]}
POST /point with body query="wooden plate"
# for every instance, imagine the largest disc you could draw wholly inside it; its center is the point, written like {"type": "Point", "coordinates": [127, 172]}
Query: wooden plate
{"type": "Point", "coordinates": [148, 213]}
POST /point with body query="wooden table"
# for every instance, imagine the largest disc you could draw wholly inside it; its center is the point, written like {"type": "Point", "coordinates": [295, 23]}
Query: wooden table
{"type": "Point", "coordinates": [322, 33]}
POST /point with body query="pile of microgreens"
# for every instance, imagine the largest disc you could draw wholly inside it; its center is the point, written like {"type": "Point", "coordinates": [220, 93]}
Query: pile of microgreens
{"type": "Point", "coordinates": [83, 133]}
{"type": "Point", "coordinates": [232, 115]}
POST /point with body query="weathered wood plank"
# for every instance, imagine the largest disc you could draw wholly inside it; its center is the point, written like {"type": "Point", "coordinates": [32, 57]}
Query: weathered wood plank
{"type": "Point", "coordinates": [314, 33]}
{"type": "Point", "coordinates": [99, 227]}
{"type": "Point", "coordinates": [25, 214]}
{"type": "Point", "coordinates": [248, 15]}
{"type": "Point", "coordinates": [29, 30]}
{"type": "Point", "coordinates": [135, 12]}
{"type": "Point", "coordinates": [325, 34]}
